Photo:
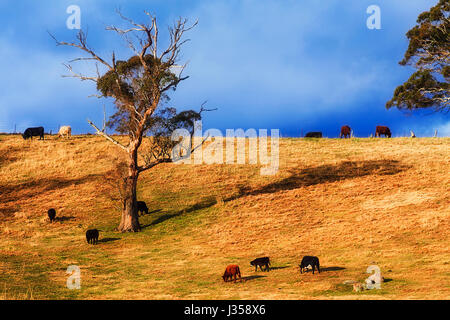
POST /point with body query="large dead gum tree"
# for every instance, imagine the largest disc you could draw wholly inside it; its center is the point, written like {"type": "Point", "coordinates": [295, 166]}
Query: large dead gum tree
{"type": "Point", "coordinates": [139, 86]}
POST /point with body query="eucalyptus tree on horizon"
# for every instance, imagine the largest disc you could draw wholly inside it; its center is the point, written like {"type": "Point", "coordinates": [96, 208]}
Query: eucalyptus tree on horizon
{"type": "Point", "coordinates": [429, 53]}
{"type": "Point", "coordinates": [139, 87]}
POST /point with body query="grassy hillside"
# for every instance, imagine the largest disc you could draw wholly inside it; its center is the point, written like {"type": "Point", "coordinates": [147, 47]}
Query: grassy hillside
{"type": "Point", "coordinates": [352, 203]}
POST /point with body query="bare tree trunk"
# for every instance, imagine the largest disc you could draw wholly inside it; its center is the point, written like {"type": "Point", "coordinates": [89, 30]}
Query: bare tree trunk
{"type": "Point", "coordinates": [130, 218]}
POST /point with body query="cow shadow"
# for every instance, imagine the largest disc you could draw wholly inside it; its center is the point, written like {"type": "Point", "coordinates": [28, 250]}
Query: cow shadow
{"type": "Point", "coordinates": [332, 269]}
{"type": "Point", "coordinates": [249, 278]}
{"type": "Point", "coordinates": [150, 212]}
{"type": "Point", "coordinates": [387, 280]}
{"type": "Point", "coordinates": [161, 219]}
{"type": "Point", "coordinates": [108, 240]}
{"type": "Point", "coordinates": [205, 203]}
{"type": "Point", "coordinates": [278, 268]}
{"type": "Point", "coordinates": [324, 174]}
{"type": "Point", "coordinates": [326, 269]}
{"type": "Point", "coordinates": [64, 218]}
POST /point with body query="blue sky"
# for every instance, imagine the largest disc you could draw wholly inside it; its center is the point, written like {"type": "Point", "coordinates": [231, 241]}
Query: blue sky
{"type": "Point", "coordinates": [297, 66]}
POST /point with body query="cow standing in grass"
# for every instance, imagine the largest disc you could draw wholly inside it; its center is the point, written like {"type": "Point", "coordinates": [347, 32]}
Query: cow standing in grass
{"type": "Point", "coordinates": [142, 207]}
{"type": "Point", "coordinates": [309, 261]}
{"type": "Point", "coordinates": [51, 214]}
{"type": "Point", "coordinates": [65, 131]}
{"type": "Point", "coordinates": [265, 261]}
{"type": "Point", "coordinates": [383, 130]}
{"type": "Point", "coordinates": [346, 132]}
{"type": "Point", "coordinates": [232, 271]}
{"type": "Point", "coordinates": [92, 236]}
{"type": "Point", "coordinates": [33, 132]}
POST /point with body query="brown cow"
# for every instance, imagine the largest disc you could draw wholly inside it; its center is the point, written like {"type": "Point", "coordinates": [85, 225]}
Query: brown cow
{"type": "Point", "coordinates": [232, 271]}
{"type": "Point", "coordinates": [383, 130]}
{"type": "Point", "coordinates": [346, 132]}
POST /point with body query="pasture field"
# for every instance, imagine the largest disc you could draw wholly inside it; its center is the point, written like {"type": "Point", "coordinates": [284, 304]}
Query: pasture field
{"type": "Point", "coordinates": [352, 203]}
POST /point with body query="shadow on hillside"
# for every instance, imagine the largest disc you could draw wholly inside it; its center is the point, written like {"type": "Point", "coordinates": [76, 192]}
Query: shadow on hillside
{"type": "Point", "coordinates": [331, 269]}
{"type": "Point", "coordinates": [248, 278]}
{"type": "Point", "coordinates": [10, 154]}
{"type": "Point", "coordinates": [30, 188]}
{"type": "Point", "coordinates": [303, 178]}
{"type": "Point", "coordinates": [326, 269]}
{"type": "Point", "coordinates": [108, 239]}
{"type": "Point", "coordinates": [11, 194]}
{"type": "Point", "coordinates": [7, 212]}
{"type": "Point", "coordinates": [6, 156]}
{"type": "Point", "coordinates": [206, 203]}
{"type": "Point", "coordinates": [326, 173]}
{"type": "Point", "coordinates": [278, 268]}
{"type": "Point", "coordinates": [149, 213]}
{"type": "Point", "coordinates": [64, 218]}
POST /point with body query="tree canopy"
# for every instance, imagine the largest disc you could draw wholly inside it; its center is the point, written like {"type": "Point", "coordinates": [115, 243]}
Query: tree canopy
{"type": "Point", "coordinates": [429, 53]}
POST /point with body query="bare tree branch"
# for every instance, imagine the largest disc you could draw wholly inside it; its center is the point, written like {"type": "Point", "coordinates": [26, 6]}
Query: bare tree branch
{"type": "Point", "coordinates": [76, 75]}
{"type": "Point", "coordinates": [82, 45]}
{"type": "Point", "coordinates": [107, 137]}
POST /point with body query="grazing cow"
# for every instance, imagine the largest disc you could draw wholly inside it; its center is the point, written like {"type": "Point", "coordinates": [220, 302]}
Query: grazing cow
{"type": "Point", "coordinates": [232, 271]}
{"type": "Point", "coordinates": [309, 261]}
{"type": "Point", "coordinates": [51, 214]}
{"type": "Point", "coordinates": [346, 132]}
{"type": "Point", "coordinates": [265, 261]}
{"type": "Point", "coordinates": [383, 130]}
{"type": "Point", "coordinates": [92, 236]}
{"type": "Point", "coordinates": [142, 207]}
{"type": "Point", "coordinates": [65, 131]}
{"type": "Point", "coordinates": [34, 132]}
{"type": "Point", "coordinates": [313, 135]}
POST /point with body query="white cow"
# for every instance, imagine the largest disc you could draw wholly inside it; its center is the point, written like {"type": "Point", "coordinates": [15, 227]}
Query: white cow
{"type": "Point", "coordinates": [65, 131]}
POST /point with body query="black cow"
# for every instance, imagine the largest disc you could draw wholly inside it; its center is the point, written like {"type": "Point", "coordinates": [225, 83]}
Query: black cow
{"type": "Point", "coordinates": [265, 261]}
{"type": "Point", "coordinates": [142, 207]}
{"type": "Point", "coordinates": [51, 214]}
{"type": "Point", "coordinates": [34, 132]}
{"type": "Point", "coordinates": [92, 236]}
{"type": "Point", "coordinates": [313, 135]}
{"type": "Point", "coordinates": [309, 261]}
{"type": "Point", "coordinates": [383, 130]}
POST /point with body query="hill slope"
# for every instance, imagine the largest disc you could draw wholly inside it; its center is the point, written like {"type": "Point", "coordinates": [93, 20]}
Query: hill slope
{"type": "Point", "coordinates": [352, 203]}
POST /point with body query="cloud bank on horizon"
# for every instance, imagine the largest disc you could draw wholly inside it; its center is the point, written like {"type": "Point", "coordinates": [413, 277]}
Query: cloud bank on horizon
{"type": "Point", "coordinates": [292, 65]}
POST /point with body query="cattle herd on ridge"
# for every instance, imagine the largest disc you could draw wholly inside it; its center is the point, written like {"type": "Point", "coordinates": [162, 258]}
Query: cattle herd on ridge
{"type": "Point", "coordinates": [231, 271]}
{"type": "Point", "coordinates": [346, 132]}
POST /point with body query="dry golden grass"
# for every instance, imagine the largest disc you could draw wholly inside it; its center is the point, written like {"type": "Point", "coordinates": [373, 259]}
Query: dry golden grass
{"type": "Point", "coordinates": [352, 203]}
